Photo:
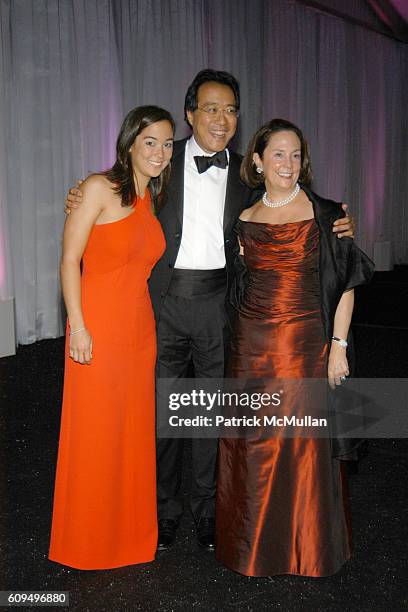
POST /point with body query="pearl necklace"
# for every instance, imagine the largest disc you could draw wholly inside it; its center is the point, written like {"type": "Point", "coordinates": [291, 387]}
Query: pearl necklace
{"type": "Point", "coordinates": [290, 197]}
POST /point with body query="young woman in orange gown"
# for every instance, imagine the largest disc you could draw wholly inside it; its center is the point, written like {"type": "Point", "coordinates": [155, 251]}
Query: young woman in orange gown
{"type": "Point", "coordinates": [105, 491]}
{"type": "Point", "coordinates": [280, 501]}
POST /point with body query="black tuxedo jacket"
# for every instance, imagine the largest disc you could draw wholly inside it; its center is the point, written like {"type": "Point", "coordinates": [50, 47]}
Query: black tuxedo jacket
{"type": "Point", "coordinates": [237, 197]}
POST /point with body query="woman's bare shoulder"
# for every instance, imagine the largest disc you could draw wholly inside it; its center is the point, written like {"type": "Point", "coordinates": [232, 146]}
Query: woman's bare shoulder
{"type": "Point", "coordinates": [248, 213]}
{"type": "Point", "coordinates": [98, 185]}
{"type": "Point", "coordinates": [97, 195]}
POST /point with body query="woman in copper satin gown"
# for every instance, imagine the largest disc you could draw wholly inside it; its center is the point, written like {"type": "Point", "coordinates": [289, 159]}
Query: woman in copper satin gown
{"type": "Point", "coordinates": [280, 501]}
{"type": "Point", "coordinates": [105, 491]}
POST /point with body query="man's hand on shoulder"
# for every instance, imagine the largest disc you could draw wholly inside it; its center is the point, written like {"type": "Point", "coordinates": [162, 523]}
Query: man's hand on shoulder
{"type": "Point", "coordinates": [345, 226]}
{"type": "Point", "coordinates": [74, 198]}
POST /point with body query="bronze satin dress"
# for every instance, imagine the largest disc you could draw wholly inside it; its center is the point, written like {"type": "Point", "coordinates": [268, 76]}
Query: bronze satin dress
{"type": "Point", "coordinates": [280, 503]}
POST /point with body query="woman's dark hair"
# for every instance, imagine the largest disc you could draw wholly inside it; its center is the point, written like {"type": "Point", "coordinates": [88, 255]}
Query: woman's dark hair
{"type": "Point", "coordinates": [209, 76]}
{"type": "Point", "coordinates": [258, 144]}
{"type": "Point", "coordinates": [121, 173]}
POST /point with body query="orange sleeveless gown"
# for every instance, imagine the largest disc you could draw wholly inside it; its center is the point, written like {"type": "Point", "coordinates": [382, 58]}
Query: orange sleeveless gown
{"type": "Point", "coordinates": [105, 491]}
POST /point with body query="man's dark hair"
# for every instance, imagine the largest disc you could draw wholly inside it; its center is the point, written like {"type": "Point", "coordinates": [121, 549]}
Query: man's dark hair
{"type": "Point", "coordinates": [209, 76]}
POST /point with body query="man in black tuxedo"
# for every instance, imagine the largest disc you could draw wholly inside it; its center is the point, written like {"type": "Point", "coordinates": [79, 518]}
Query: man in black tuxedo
{"type": "Point", "coordinates": [189, 285]}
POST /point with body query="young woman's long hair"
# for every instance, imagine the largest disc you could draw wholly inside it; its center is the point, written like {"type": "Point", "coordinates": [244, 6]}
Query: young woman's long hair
{"type": "Point", "coordinates": [121, 173]}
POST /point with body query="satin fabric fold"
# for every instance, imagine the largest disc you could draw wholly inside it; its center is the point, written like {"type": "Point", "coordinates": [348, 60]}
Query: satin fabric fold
{"type": "Point", "coordinates": [280, 506]}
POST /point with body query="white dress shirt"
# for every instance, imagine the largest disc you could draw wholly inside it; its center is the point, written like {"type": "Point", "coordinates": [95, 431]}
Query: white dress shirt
{"type": "Point", "coordinates": [202, 241]}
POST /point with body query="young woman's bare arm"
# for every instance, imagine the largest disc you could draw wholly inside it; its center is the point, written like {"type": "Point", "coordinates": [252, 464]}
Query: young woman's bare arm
{"type": "Point", "coordinates": [77, 228]}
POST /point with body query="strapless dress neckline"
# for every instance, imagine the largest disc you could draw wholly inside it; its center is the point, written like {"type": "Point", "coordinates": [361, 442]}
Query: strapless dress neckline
{"type": "Point", "coordinates": [277, 224]}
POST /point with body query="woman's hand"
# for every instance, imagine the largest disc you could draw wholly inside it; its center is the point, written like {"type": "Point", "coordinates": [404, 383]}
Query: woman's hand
{"type": "Point", "coordinates": [338, 365]}
{"type": "Point", "coordinates": [80, 347]}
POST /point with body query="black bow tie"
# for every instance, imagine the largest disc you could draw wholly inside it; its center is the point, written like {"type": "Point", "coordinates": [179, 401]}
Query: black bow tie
{"type": "Point", "coordinates": [203, 162]}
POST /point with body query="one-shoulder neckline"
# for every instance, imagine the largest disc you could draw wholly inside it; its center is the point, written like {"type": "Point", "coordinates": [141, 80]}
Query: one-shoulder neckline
{"type": "Point", "coordinates": [278, 224]}
{"type": "Point", "coordinates": [117, 220]}
{"type": "Point", "coordinates": [133, 206]}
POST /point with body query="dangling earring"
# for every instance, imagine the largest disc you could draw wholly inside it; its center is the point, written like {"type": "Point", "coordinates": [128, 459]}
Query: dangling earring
{"type": "Point", "coordinates": [259, 170]}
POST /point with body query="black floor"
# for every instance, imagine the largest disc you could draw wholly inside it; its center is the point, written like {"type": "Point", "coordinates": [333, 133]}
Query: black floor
{"type": "Point", "coordinates": [185, 578]}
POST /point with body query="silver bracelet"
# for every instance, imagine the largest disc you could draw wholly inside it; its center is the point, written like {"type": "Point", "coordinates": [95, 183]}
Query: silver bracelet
{"type": "Point", "coordinates": [343, 343]}
{"type": "Point", "coordinates": [72, 333]}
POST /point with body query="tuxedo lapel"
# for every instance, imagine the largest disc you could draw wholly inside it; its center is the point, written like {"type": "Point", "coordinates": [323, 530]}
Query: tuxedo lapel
{"type": "Point", "coordinates": [234, 197]}
{"type": "Point", "coordinates": [234, 194]}
{"type": "Point", "coordinates": [175, 190]}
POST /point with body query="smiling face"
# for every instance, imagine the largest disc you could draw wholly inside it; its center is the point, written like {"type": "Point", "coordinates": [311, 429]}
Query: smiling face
{"type": "Point", "coordinates": [281, 161]}
{"type": "Point", "coordinates": [213, 132]}
{"type": "Point", "coordinates": [151, 152]}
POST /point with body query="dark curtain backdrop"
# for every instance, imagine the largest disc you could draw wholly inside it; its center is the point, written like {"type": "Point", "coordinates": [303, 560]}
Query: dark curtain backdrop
{"type": "Point", "coordinates": [71, 69]}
